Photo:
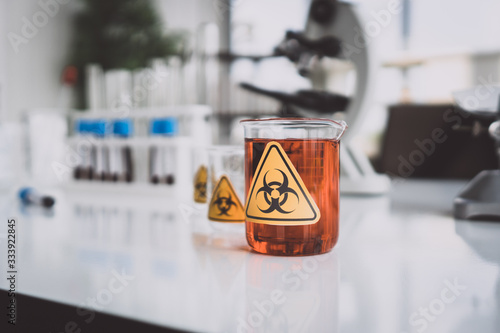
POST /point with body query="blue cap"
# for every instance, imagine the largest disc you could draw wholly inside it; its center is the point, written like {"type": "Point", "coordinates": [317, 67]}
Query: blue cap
{"type": "Point", "coordinates": [24, 192]}
{"type": "Point", "coordinates": [123, 127]}
{"type": "Point", "coordinates": [164, 126]}
{"type": "Point", "coordinates": [83, 126]}
{"type": "Point", "coordinates": [98, 127]}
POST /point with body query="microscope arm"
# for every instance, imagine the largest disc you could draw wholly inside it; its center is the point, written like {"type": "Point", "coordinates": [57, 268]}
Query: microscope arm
{"type": "Point", "coordinates": [318, 101]}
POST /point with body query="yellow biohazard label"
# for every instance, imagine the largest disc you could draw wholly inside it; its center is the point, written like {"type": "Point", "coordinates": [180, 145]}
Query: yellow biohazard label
{"type": "Point", "coordinates": [278, 195]}
{"type": "Point", "coordinates": [225, 206]}
{"type": "Point", "coordinates": [200, 185]}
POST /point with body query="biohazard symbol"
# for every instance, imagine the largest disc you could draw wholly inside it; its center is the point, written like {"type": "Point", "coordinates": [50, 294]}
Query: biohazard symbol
{"type": "Point", "coordinates": [277, 194]}
{"type": "Point", "coordinates": [225, 206]}
{"type": "Point", "coordinates": [200, 185]}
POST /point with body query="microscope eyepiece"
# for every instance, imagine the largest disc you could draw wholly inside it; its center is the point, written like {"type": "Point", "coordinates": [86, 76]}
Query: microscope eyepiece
{"type": "Point", "coordinates": [322, 11]}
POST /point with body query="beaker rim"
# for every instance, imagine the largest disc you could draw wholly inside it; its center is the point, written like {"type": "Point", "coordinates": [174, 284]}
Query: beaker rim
{"type": "Point", "coordinates": [296, 120]}
{"type": "Point", "coordinates": [340, 125]}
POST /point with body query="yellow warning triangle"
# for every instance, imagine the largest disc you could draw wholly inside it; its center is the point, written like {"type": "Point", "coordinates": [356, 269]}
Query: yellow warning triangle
{"type": "Point", "coordinates": [225, 206]}
{"type": "Point", "coordinates": [200, 185]}
{"type": "Point", "coordinates": [278, 195]}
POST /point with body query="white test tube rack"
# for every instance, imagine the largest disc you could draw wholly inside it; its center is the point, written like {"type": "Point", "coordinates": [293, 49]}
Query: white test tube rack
{"type": "Point", "coordinates": [194, 129]}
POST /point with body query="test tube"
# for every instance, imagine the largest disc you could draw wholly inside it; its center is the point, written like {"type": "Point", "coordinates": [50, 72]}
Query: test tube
{"type": "Point", "coordinates": [158, 96]}
{"type": "Point", "coordinates": [30, 197]}
{"type": "Point", "coordinates": [162, 158]}
{"type": "Point", "coordinates": [84, 169]}
{"type": "Point", "coordinates": [175, 81]}
{"type": "Point", "coordinates": [118, 84]}
{"type": "Point", "coordinates": [100, 152]}
{"type": "Point", "coordinates": [94, 87]}
{"type": "Point", "coordinates": [120, 158]}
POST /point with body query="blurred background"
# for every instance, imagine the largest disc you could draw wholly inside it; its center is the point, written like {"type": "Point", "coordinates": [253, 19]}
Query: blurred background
{"type": "Point", "coordinates": [423, 63]}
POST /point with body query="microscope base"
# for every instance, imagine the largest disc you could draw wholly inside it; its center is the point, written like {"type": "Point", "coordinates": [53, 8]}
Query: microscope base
{"type": "Point", "coordinates": [357, 176]}
{"type": "Point", "coordinates": [481, 197]}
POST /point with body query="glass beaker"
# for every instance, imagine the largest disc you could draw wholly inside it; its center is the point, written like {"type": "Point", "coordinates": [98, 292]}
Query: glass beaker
{"type": "Point", "coordinates": [292, 184]}
{"type": "Point", "coordinates": [226, 185]}
{"type": "Point", "coordinates": [227, 161]}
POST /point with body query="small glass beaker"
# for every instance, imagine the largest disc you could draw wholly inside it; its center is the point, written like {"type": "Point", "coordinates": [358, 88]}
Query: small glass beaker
{"type": "Point", "coordinates": [200, 174]}
{"type": "Point", "coordinates": [292, 184]}
{"type": "Point", "coordinates": [226, 184]}
{"type": "Point", "coordinates": [227, 161]}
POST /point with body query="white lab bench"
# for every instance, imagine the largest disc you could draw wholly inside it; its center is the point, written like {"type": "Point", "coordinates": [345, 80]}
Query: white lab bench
{"type": "Point", "coordinates": [402, 264]}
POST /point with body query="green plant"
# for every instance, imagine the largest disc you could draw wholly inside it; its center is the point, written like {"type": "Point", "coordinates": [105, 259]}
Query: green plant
{"type": "Point", "coordinates": [120, 34]}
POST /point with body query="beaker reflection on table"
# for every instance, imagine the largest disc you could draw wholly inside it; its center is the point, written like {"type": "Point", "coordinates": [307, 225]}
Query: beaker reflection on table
{"type": "Point", "coordinates": [299, 294]}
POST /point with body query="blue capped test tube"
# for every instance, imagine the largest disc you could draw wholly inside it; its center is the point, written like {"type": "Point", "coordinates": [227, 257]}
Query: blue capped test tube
{"type": "Point", "coordinates": [100, 152]}
{"type": "Point", "coordinates": [84, 168]}
{"type": "Point", "coordinates": [162, 158]}
{"type": "Point", "coordinates": [29, 196]}
{"type": "Point", "coordinates": [120, 158]}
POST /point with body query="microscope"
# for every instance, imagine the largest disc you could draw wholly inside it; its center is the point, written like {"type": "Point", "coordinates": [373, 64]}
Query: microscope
{"type": "Point", "coordinates": [333, 30]}
{"type": "Point", "coordinates": [480, 199]}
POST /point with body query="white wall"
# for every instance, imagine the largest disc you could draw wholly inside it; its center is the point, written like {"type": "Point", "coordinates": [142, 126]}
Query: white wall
{"type": "Point", "coordinates": [456, 24]}
{"type": "Point", "coordinates": [33, 71]}
{"type": "Point", "coordinates": [3, 15]}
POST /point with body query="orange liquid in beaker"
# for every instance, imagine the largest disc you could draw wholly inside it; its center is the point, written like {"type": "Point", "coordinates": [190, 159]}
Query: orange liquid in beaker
{"type": "Point", "coordinates": [317, 163]}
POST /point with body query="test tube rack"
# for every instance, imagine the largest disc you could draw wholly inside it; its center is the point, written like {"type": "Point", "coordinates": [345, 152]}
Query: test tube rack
{"type": "Point", "coordinates": [193, 130]}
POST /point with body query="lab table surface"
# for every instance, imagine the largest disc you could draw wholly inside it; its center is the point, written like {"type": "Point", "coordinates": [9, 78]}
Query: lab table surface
{"type": "Point", "coordinates": [402, 264]}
